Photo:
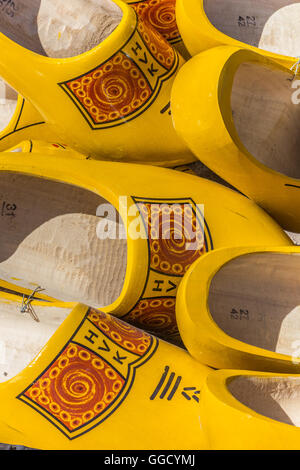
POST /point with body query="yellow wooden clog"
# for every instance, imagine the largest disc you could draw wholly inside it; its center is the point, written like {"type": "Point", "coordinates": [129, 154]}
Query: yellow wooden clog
{"type": "Point", "coordinates": [269, 27]}
{"type": "Point", "coordinates": [240, 118]}
{"type": "Point", "coordinates": [239, 308]}
{"type": "Point", "coordinates": [251, 411]}
{"type": "Point", "coordinates": [104, 90]}
{"type": "Point", "coordinates": [162, 16]}
{"type": "Point", "coordinates": [97, 383]}
{"type": "Point", "coordinates": [116, 236]}
{"type": "Point", "coordinates": [19, 120]}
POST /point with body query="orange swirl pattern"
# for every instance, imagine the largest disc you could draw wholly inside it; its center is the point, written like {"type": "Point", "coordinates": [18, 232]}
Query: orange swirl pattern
{"type": "Point", "coordinates": [156, 316]}
{"type": "Point", "coordinates": [127, 336]}
{"type": "Point", "coordinates": [124, 85]}
{"type": "Point", "coordinates": [171, 228]}
{"type": "Point", "coordinates": [114, 90]}
{"type": "Point", "coordinates": [77, 387]}
{"type": "Point", "coordinates": [92, 375]}
{"type": "Point", "coordinates": [161, 15]}
{"type": "Point", "coordinates": [157, 45]}
{"type": "Point", "coordinates": [176, 240]}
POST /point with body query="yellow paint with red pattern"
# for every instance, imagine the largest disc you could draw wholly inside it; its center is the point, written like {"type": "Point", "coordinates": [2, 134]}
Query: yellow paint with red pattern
{"type": "Point", "coordinates": [87, 389]}
{"type": "Point", "coordinates": [216, 217]}
{"type": "Point", "coordinates": [106, 102]}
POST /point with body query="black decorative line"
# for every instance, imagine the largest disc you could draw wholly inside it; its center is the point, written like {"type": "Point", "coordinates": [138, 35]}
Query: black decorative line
{"type": "Point", "coordinates": [160, 383]}
{"type": "Point", "coordinates": [292, 186]}
{"type": "Point", "coordinates": [20, 294]}
{"type": "Point", "coordinates": [168, 385]}
{"type": "Point", "coordinates": [166, 108]}
{"type": "Point", "coordinates": [174, 389]}
{"type": "Point", "coordinates": [175, 40]}
{"type": "Point", "coordinates": [60, 145]}
{"type": "Point", "coordinates": [20, 113]}
{"type": "Point", "coordinates": [186, 395]}
{"type": "Point", "coordinates": [160, 297]}
{"type": "Point", "coordinates": [31, 145]}
{"type": "Point", "coordinates": [22, 128]}
{"type": "Point", "coordinates": [194, 396]}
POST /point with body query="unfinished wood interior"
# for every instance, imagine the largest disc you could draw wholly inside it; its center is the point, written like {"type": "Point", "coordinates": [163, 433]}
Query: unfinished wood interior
{"type": "Point", "coordinates": [276, 398]}
{"type": "Point", "coordinates": [266, 118]}
{"type": "Point", "coordinates": [272, 25]}
{"type": "Point", "coordinates": [49, 238]}
{"type": "Point", "coordinates": [256, 299]}
{"type": "Point", "coordinates": [58, 28]}
{"type": "Point", "coordinates": [8, 104]}
{"type": "Point", "coordinates": [22, 338]}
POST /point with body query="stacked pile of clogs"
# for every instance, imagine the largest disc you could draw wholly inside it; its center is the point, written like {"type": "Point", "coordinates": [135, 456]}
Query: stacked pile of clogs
{"type": "Point", "coordinates": [125, 285]}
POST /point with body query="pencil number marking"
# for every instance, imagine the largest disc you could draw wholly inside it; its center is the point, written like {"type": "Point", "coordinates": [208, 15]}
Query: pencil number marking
{"type": "Point", "coordinates": [247, 21]}
{"type": "Point", "coordinates": [8, 7]}
{"type": "Point", "coordinates": [8, 209]}
{"type": "Point", "coordinates": [239, 314]}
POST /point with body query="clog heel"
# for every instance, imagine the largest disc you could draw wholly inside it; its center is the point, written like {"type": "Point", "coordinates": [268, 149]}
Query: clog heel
{"type": "Point", "coordinates": [241, 118]}
{"type": "Point", "coordinates": [117, 236]}
{"type": "Point", "coordinates": [72, 378]}
{"type": "Point", "coordinates": [243, 410]}
{"type": "Point", "coordinates": [19, 120]}
{"type": "Point", "coordinates": [103, 90]}
{"type": "Point", "coordinates": [270, 28]}
{"type": "Point", "coordinates": [238, 308]}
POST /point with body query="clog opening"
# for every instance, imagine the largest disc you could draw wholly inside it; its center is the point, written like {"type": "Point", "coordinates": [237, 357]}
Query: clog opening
{"type": "Point", "coordinates": [59, 28]}
{"type": "Point", "coordinates": [272, 25]}
{"type": "Point", "coordinates": [50, 237]}
{"type": "Point", "coordinates": [22, 338]}
{"type": "Point", "coordinates": [255, 299]}
{"type": "Point", "coordinates": [8, 104]}
{"type": "Point", "coordinates": [266, 117]}
{"type": "Point", "coordinates": [276, 398]}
